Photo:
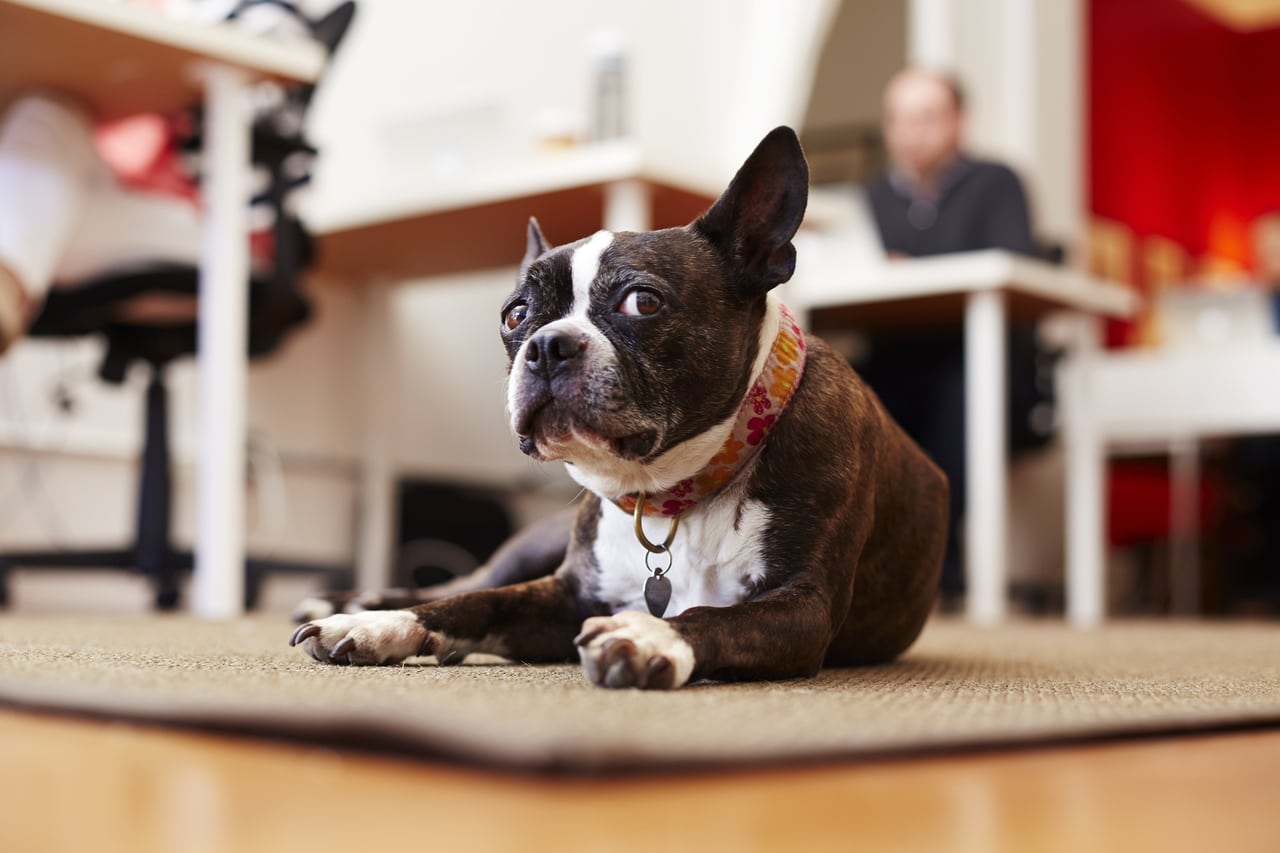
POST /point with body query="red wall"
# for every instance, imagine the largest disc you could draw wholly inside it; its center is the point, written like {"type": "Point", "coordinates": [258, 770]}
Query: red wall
{"type": "Point", "coordinates": [1184, 124]}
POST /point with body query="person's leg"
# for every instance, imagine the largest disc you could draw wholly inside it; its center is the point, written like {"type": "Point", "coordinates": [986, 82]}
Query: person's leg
{"type": "Point", "coordinates": [124, 230]}
{"type": "Point", "coordinates": [942, 437]}
{"type": "Point", "coordinates": [47, 166]}
{"type": "Point", "coordinates": [921, 383]}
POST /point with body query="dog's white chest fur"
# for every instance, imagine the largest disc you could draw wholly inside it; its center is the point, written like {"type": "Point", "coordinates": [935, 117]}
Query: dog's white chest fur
{"type": "Point", "coordinates": [715, 557]}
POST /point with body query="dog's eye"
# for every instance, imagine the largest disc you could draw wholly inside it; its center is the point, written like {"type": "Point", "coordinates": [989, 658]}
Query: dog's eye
{"type": "Point", "coordinates": [640, 303]}
{"type": "Point", "coordinates": [515, 316]}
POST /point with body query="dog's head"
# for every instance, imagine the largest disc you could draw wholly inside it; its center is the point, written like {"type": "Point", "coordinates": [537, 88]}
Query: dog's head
{"type": "Point", "coordinates": [628, 350]}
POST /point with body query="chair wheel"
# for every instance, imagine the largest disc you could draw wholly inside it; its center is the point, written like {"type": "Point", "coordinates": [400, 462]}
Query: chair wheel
{"type": "Point", "coordinates": [167, 599]}
{"type": "Point", "coordinates": [252, 592]}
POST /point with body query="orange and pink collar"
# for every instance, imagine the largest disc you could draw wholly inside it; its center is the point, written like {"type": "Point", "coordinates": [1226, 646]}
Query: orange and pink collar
{"type": "Point", "coordinates": [765, 401]}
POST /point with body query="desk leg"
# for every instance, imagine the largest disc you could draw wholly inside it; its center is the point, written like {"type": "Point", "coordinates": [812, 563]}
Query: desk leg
{"type": "Point", "coordinates": [986, 452]}
{"type": "Point", "coordinates": [224, 275]}
{"type": "Point", "coordinates": [628, 206]}
{"type": "Point", "coordinates": [377, 471]}
{"type": "Point", "coordinates": [1184, 527]}
{"type": "Point", "coordinates": [1086, 497]}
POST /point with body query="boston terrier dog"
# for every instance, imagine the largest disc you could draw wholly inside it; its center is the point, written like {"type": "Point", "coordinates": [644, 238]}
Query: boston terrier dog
{"type": "Point", "coordinates": [751, 511]}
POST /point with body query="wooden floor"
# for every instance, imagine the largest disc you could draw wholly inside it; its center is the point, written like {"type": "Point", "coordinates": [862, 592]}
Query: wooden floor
{"type": "Point", "coordinates": [69, 784]}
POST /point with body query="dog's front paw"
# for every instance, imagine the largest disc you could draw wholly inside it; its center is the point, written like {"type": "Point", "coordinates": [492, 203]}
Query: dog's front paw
{"type": "Point", "coordinates": [633, 649]}
{"type": "Point", "coordinates": [363, 639]}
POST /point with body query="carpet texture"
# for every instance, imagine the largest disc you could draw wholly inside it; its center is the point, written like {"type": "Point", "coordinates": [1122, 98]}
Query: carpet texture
{"type": "Point", "coordinates": [958, 687]}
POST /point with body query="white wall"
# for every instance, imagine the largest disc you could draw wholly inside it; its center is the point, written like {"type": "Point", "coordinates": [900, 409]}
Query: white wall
{"type": "Point", "coordinates": [864, 47]}
{"type": "Point", "coordinates": [428, 93]}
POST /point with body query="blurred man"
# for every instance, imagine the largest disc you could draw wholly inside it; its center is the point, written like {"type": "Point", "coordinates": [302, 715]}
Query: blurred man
{"type": "Point", "coordinates": [1266, 259]}
{"type": "Point", "coordinates": [935, 199]}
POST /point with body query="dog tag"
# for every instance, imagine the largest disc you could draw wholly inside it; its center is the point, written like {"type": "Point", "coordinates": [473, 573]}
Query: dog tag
{"type": "Point", "coordinates": [657, 594]}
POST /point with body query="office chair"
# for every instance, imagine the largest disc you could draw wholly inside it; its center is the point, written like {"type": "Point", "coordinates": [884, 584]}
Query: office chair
{"type": "Point", "coordinates": [277, 306]}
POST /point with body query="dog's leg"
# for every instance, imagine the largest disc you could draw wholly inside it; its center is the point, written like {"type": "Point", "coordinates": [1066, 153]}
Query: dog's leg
{"type": "Point", "coordinates": [782, 634]}
{"type": "Point", "coordinates": [534, 552]}
{"type": "Point", "coordinates": [532, 621]}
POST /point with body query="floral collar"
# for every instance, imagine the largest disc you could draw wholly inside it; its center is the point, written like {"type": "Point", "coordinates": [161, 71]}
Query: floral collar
{"type": "Point", "coordinates": [763, 404]}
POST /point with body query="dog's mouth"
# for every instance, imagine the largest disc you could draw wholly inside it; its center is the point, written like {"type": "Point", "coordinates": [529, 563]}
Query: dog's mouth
{"type": "Point", "coordinates": [637, 445]}
{"type": "Point", "coordinates": [549, 431]}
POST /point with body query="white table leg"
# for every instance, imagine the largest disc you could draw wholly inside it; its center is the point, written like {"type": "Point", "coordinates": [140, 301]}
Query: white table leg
{"type": "Point", "coordinates": [986, 451]}
{"type": "Point", "coordinates": [377, 473]}
{"type": "Point", "coordinates": [1086, 497]}
{"type": "Point", "coordinates": [628, 206]}
{"type": "Point", "coordinates": [224, 276]}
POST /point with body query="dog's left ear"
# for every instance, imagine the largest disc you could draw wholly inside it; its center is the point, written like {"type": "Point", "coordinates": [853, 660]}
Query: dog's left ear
{"type": "Point", "coordinates": [753, 222]}
{"type": "Point", "coordinates": [535, 245]}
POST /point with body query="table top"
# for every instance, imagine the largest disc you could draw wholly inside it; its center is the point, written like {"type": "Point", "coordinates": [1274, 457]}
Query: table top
{"type": "Point", "coordinates": [921, 291]}
{"type": "Point", "coordinates": [121, 60]}
{"type": "Point", "coordinates": [1162, 394]}
{"type": "Point", "coordinates": [479, 221]}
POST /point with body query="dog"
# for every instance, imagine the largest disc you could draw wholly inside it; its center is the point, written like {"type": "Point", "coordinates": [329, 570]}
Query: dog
{"type": "Point", "coordinates": [750, 511]}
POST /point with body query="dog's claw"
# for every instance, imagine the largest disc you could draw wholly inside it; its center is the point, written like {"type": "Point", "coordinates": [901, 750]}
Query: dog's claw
{"type": "Point", "coordinates": [616, 656]}
{"type": "Point", "coordinates": [657, 666]}
{"type": "Point", "coordinates": [345, 646]}
{"type": "Point", "coordinates": [619, 675]}
{"type": "Point", "coordinates": [309, 630]}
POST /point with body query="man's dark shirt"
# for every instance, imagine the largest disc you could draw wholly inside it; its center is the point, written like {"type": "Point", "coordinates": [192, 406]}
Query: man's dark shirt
{"type": "Point", "coordinates": [981, 206]}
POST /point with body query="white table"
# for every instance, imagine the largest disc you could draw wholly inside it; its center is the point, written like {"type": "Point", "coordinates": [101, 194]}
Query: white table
{"type": "Point", "coordinates": [1139, 398]}
{"type": "Point", "coordinates": [983, 289]}
{"type": "Point", "coordinates": [120, 60]}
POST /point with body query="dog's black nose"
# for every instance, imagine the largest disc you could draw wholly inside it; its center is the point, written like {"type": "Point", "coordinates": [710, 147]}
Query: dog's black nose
{"type": "Point", "coordinates": [550, 351]}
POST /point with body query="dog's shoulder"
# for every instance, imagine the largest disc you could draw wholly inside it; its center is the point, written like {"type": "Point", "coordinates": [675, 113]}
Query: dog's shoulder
{"type": "Point", "coordinates": [833, 423]}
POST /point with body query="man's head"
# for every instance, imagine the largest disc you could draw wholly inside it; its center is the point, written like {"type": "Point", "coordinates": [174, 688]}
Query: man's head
{"type": "Point", "coordinates": [1266, 249]}
{"type": "Point", "coordinates": [923, 122]}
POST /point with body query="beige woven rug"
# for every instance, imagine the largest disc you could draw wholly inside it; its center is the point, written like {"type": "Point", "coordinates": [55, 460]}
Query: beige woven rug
{"type": "Point", "coordinates": [958, 688]}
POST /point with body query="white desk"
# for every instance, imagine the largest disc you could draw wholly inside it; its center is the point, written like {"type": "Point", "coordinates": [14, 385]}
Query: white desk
{"type": "Point", "coordinates": [1172, 398]}
{"type": "Point", "coordinates": [120, 60]}
{"type": "Point", "coordinates": [985, 289]}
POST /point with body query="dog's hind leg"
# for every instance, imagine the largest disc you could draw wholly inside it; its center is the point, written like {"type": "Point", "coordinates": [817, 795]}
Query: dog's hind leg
{"type": "Point", "coordinates": [532, 553]}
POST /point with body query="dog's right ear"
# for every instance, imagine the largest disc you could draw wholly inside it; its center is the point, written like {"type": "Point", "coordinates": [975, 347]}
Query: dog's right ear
{"type": "Point", "coordinates": [753, 222]}
{"type": "Point", "coordinates": [536, 245]}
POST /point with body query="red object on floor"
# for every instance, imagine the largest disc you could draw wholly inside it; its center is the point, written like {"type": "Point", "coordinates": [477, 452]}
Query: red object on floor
{"type": "Point", "coordinates": [1138, 497]}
